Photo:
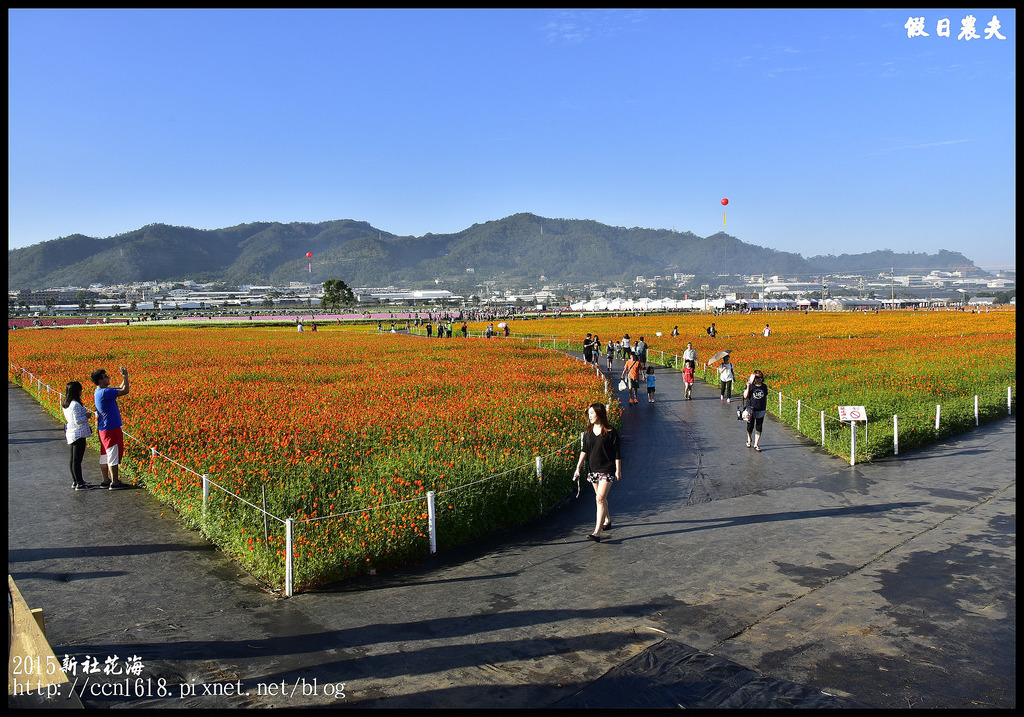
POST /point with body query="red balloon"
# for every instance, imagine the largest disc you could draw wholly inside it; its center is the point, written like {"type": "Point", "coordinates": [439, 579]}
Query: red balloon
{"type": "Point", "coordinates": [309, 255]}
{"type": "Point", "coordinates": [724, 202]}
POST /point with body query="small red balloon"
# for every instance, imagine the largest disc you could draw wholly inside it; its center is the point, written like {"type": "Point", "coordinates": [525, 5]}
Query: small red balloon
{"type": "Point", "coordinates": [724, 202]}
{"type": "Point", "coordinates": [309, 255]}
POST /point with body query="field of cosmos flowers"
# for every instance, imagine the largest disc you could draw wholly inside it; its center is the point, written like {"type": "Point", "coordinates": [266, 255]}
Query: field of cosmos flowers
{"type": "Point", "coordinates": [345, 431]}
{"type": "Point", "coordinates": [902, 363]}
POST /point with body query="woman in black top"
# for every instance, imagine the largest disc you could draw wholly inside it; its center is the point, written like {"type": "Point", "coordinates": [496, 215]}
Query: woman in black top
{"type": "Point", "coordinates": [600, 447]}
{"type": "Point", "coordinates": [756, 393]}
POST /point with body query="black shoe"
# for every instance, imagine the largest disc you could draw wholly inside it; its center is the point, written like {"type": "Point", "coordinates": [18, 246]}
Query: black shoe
{"type": "Point", "coordinates": [595, 538]}
{"type": "Point", "coordinates": [606, 526]}
{"type": "Point", "coordinates": [82, 486]}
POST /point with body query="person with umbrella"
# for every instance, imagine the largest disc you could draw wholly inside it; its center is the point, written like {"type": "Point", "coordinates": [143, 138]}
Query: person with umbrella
{"type": "Point", "coordinates": [726, 374]}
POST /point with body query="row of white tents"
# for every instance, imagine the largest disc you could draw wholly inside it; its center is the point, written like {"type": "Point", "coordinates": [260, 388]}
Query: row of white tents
{"type": "Point", "coordinates": [646, 304]}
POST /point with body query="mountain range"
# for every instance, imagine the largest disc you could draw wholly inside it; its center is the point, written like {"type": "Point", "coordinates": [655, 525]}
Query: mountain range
{"type": "Point", "coordinates": [520, 248]}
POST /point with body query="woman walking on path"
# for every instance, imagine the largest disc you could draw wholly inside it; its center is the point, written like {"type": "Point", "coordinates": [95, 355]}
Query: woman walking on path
{"type": "Point", "coordinates": [601, 450]}
{"type": "Point", "coordinates": [77, 431]}
{"type": "Point", "coordinates": [726, 376]}
{"type": "Point", "coordinates": [756, 393]}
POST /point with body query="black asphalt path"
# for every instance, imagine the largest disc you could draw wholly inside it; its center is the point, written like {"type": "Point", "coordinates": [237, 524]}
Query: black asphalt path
{"type": "Point", "coordinates": [891, 584]}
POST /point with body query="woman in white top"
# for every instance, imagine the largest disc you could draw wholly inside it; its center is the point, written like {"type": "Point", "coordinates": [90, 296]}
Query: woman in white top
{"type": "Point", "coordinates": [77, 431]}
{"type": "Point", "coordinates": [726, 376]}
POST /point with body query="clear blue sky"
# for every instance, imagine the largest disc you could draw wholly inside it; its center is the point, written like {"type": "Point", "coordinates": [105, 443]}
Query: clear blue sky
{"type": "Point", "coordinates": [830, 131]}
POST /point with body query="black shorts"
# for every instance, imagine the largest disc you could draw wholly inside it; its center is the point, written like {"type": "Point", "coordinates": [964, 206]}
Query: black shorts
{"type": "Point", "coordinates": [650, 390]}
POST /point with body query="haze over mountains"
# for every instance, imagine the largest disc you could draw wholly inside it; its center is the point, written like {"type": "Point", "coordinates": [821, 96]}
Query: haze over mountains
{"type": "Point", "coordinates": [519, 248]}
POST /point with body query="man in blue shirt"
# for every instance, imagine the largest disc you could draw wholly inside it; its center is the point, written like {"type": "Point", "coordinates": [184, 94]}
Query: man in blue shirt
{"type": "Point", "coordinates": [108, 421]}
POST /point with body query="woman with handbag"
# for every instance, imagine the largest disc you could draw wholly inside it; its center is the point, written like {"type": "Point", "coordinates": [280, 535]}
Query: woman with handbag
{"type": "Point", "coordinates": [756, 394]}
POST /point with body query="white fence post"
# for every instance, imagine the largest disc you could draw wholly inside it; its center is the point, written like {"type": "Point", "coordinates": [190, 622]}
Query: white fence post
{"type": "Point", "coordinates": [431, 522]}
{"type": "Point", "coordinates": [206, 492]}
{"type": "Point", "coordinates": [798, 414]}
{"type": "Point", "coordinates": [895, 435]}
{"type": "Point", "coordinates": [537, 459]}
{"type": "Point", "coordinates": [976, 423]}
{"type": "Point", "coordinates": [289, 567]}
{"type": "Point", "coordinates": [823, 428]}
{"type": "Point", "coordinates": [938, 413]}
{"type": "Point", "coordinates": [853, 443]}
{"type": "Point", "coordinates": [1007, 400]}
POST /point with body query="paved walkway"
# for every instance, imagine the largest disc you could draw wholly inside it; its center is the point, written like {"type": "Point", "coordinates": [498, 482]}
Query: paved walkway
{"type": "Point", "coordinates": [890, 584]}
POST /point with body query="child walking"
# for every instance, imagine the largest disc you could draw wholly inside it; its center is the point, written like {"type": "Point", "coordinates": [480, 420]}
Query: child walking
{"type": "Point", "coordinates": [650, 384]}
{"type": "Point", "coordinates": [688, 368]}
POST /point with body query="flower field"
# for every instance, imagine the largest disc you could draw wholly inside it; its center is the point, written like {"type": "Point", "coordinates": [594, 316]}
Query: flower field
{"type": "Point", "coordinates": [902, 363]}
{"type": "Point", "coordinates": [342, 432]}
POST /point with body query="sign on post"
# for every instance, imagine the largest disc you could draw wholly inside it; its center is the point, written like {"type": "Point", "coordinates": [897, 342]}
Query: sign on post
{"type": "Point", "coordinates": [853, 414]}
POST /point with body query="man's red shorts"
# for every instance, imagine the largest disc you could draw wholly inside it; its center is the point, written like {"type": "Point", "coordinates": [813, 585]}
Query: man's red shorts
{"type": "Point", "coordinates": [112, 441]}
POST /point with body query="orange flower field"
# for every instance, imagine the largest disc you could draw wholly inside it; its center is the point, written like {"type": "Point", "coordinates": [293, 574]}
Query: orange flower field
{"type": "Point", "coordinates": [317, 425]}
{"type": "Point", "coordinates": [344, 432]}
{"type": "Point", "coordinates": [901, 363]}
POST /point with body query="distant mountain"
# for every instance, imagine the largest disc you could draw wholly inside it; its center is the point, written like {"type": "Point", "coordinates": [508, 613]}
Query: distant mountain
{"type": "Point", "coordinates": [519, 248]}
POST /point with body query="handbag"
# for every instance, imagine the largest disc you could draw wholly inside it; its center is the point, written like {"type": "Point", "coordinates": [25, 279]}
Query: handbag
{"type": "Point", "coordinates": [745, 412]}
{"type": "Point", "coordinates": [622, 384]}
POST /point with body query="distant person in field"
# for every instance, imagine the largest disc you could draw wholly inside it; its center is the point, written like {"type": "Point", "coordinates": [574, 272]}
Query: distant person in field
{"type": "Point", "coordinates": [600, 448]}
{"type": "Point", "coordinates": [767, 331]}
{"type": "Point", "coordinates": [108, 421]}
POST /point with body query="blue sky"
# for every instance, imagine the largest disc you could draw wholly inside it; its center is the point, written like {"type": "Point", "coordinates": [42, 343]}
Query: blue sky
{"type": "Point", "coordinates": [830, 131]}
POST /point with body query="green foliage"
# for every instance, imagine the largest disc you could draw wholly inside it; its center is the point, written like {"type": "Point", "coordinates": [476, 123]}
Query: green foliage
{"type": "Point", "coordinates": [337, 294]}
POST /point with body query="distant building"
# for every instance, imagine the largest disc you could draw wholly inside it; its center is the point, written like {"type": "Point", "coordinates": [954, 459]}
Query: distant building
{"type": "Point", "coordinates": [848, 304]}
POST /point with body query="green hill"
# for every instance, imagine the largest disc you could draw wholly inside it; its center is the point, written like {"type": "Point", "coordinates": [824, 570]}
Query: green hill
{"type": "Point", "coordinates": [522, 247]}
